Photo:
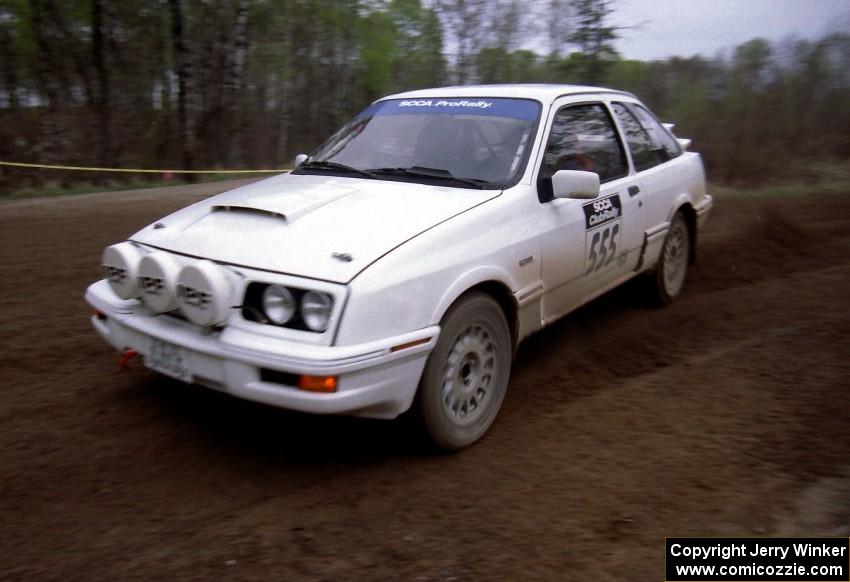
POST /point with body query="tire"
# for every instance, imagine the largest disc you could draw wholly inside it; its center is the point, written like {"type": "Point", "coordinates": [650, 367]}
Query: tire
{"type": "Point", "coordinates": [466, 377]}
{"type": "Point", "coordinates": [672, 266]}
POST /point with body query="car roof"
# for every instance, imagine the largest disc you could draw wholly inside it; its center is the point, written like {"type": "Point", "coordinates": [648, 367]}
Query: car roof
{"type": "Point", "coordinates": [546, 93]}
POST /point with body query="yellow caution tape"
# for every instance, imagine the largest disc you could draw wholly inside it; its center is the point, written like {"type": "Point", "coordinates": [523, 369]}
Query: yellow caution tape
{"type": "Point", "coordinates": [139, 170]}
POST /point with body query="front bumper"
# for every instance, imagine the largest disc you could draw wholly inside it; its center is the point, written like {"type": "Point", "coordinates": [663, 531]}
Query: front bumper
{"type": "Point", "coordinates": [374, 379]}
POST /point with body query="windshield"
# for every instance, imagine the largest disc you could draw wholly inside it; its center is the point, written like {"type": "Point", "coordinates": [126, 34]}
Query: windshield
{"type": "Point", "coordinates": [469, 141]}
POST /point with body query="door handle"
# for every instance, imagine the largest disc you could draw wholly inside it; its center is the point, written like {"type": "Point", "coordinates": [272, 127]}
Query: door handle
{"type": "Point", "coordinates": [634, 190]}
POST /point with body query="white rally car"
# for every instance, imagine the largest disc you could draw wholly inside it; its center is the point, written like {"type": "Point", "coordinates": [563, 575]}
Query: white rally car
{"type": "Point", "coordinates": [400, 264]}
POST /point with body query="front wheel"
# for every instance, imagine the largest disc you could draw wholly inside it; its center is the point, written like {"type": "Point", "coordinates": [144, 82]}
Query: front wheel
{"type": "Point", "coordinates": [466, 376]}
{"type": "Point", "coordinates": [673, 264]}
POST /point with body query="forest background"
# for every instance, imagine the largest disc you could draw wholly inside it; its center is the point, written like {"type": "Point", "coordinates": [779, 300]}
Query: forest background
{"type": "Point", "coordinates": [207, 84]}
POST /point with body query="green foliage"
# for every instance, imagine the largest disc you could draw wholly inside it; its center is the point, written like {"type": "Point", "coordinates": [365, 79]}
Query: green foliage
{"type": "Point", "coordinates": [377, 36]}
{"type": "Point", "coordinates": [627, 75]}
{"type": "Point", "coordinates": [419, 58]}
{"type": "Point", "coordinates": [594, 38]}
{"type": "Point", "coordinates": [266, 79]}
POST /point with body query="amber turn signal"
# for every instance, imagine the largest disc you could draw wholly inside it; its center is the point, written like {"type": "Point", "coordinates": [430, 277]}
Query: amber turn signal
{"type": "Point", "coordinates": [412, 344]}
{"type": "Point", "coordinates": [317, 383]}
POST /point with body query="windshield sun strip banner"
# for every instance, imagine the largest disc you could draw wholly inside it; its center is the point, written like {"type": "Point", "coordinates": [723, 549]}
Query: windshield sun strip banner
{"type": "Point", "coordinates": [524, 109]}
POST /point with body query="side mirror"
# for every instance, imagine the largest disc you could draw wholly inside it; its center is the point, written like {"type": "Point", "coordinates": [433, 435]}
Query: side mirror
{"type": "Point", "coordinates": [575, 184]}
{"type": "Point", "coordinates": [300, 159]}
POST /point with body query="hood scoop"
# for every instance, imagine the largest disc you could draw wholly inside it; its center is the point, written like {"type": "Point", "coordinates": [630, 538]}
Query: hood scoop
{"type": "Point", "coordinates": [319, 227]}
{"type": "Point", "coordinates": [275, 201]}
{"type": "Point", "coordinates": [248, 210]}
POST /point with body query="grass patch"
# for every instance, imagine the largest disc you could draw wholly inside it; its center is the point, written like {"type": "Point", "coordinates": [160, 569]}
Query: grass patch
{"type": "Point", "coordinates": [828, 177]}
{"type": "Point", "coordinates": [780, 190]}
{"type": "Point", "coordinates": [55, 189]}
{"type": "Point", "coordinates": [816, 178]}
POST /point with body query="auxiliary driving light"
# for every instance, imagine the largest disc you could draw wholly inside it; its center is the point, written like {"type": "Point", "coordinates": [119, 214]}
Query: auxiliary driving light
{"type": "Point", "coordinates": [204, 293]}
{"type": "Point", "coordinates": [158, 281]}
{"type": "Point", "coordinates": [120, 265]}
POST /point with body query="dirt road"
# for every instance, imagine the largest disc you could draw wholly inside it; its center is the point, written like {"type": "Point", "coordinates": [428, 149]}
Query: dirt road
{"type": "Point", "coordinates": [727, 413]}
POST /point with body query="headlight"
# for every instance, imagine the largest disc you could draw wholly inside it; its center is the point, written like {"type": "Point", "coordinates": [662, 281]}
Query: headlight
{"type": "Point", "coordinates": [316, 310]}
{"type": "Point", "coordinates": [278, 304]}
{"type": "Point", "coordinates": [293, 308]}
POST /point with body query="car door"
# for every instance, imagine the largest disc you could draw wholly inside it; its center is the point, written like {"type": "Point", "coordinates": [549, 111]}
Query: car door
{"type": "Point", "coordinates": [656, 158]}
{"type": "Point", "coordinates": [586, 245]}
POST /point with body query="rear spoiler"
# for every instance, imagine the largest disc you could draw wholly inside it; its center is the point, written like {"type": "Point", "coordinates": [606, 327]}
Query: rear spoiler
{"type": "Point", "coordinates": [683, 141]}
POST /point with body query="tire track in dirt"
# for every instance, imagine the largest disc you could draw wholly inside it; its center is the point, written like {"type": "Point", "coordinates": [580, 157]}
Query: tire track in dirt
{"type": "Point", "coordinates": [724, 414]}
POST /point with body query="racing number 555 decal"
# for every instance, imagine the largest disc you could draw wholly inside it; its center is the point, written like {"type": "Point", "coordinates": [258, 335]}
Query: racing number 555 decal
{"type": "Point", "coordinates": [602, 253]}
{"type": "Point", "coordinates": [603, 225]}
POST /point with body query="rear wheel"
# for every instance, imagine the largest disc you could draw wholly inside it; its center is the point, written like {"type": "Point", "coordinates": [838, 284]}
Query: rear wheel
{"type": "Point", "coordinates": [673, 264]}
{"type": "Point", "coordinates": [466, 376]}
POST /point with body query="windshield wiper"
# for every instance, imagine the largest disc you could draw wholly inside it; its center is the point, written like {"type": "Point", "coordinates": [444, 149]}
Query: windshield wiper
{"type": "Point", "coordinates": [422, 172]}
{"type": "Point", "coordinates": [325, 165]}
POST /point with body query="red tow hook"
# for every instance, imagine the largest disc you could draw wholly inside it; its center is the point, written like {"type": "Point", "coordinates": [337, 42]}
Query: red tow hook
{"type": "Point", "coordinates": [124, 361]}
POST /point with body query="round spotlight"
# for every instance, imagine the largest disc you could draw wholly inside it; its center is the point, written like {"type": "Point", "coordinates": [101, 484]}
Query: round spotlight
{"type": "Point", "coordinates": [120, 265]}
{"type": "Point", "coordinates": [204, 293]}
{"type": "Point", "coordinates": [157, 278]}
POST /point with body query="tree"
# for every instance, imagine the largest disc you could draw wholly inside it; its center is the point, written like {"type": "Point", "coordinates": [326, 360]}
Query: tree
{"type": "Point", "coordinates": [250, 83]}
{"type": "Point", "coordinates": [419, 60]}
{"type": "Point", "coordinates": [103, 93]}
{"type": "Point", "coordinates": [594, 39]}
{"type": "Point", "coordinates": [465, 19]}
{"type": "Point", "coordinates": [183, 70]}
{"type": "Point", "coordinates": [378, 50]}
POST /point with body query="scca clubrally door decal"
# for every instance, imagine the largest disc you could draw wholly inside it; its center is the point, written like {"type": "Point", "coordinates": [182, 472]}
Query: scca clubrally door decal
{"type": "Point", "coordinates": [603, 225]}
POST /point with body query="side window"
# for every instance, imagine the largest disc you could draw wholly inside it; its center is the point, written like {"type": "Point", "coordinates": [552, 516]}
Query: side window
{"type": "Point", "coordinates": [644, 151]}
{"type": "Point", "coordinates": [583, 137]}
{"type": "Point", "coordinates": [645, 137]}
{"type": "Point", "coordinates": [656, 131]}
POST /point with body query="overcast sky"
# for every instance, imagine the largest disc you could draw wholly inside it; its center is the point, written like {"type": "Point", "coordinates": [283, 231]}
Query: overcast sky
{"type": "Point", "coordinates": [688, 27]}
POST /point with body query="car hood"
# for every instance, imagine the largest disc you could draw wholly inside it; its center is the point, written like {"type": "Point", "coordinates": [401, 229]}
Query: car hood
{"type": "Point", "coordinates": [322, 227]}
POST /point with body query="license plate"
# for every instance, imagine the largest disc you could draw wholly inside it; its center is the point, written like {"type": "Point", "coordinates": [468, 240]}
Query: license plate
{"type": "Point", "coordinates": [169, 359]}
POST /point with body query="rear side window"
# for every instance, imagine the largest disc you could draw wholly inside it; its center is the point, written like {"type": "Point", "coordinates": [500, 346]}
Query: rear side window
{"type": "Point", "coordinates": [659, 135]}
{"type": "Point", "coordinates": [583, 138]}
{"type": "Point", "coordinates": [649, 143]}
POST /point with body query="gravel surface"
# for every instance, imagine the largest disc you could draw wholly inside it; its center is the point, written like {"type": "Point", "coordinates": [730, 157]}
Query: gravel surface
{"type": "Point", "coordinates": [725, 414]}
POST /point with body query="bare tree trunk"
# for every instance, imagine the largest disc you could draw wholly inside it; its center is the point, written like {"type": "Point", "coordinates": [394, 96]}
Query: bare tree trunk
{"type": "Point", "coordinates": [50, 77]}
{"type": "Point", "coordinates": [55, 87]}
{"type": "Point", "coordinates": [103, 102]}
{"type": "Point", "coordinates": [79, 62]}
{"type": "Point", "coordinates": [465, 19]}
{"type": "Point", "coordinates": [236, 71]}
{"type": "Point", "coordinates": [183, 69]}
{"type": "Point", "coordinates": [10, 67]}
{"type": "Point", "coordinates": [234, 81]}
{"type": "Point", "coordinates": [284, 88]}
{"type": "Point", "coordinates": [557, 15]}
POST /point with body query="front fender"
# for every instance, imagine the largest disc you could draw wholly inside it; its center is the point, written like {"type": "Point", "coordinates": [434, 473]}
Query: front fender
{"type": "Point", "coordinates": [411, 287]}
{"type": "Point", "coordinates": [468, 280]}
{"type": "Point", "coordinates": [389, 300]}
